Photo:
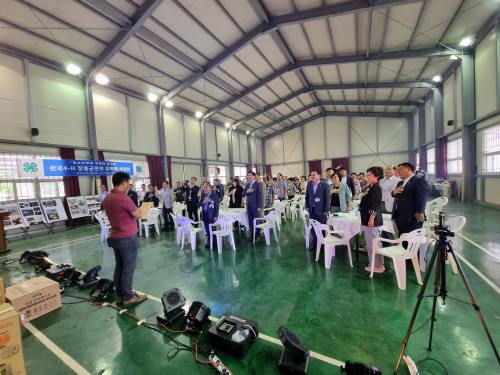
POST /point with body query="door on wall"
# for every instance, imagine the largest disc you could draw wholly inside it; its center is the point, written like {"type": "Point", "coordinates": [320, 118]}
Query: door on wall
{"type": "Point", "coordinates": [341, 163]}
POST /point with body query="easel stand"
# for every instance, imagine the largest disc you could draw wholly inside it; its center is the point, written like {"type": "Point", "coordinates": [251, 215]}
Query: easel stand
{"type": "Point", "coordinates": [50, 227]}
{"type": "Point", "coordinates": [442, 250]}
{"type": "Point", "coordinates": [26, 230]}
{"type": "Point", "coordinates": [3, 240]}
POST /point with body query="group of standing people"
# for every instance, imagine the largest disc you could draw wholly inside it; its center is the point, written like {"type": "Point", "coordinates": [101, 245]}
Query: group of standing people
{"type": "Point", "coordinates": [403, 196]}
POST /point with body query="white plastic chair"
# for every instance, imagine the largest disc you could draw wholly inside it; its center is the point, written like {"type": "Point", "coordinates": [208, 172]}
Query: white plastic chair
{"type": "Point", "coordinates": [178, 208]}
{"type": "Point", "coordinates": [226, 230]}
{"type": "Point", "coordinates": [268, 222]}
{"type": "Point", "coordinates": [307, 226]}
{"type": "Point", "coordinates": [104, 223]}
{"type": "Point", "coordinates": [190, 231]}
{"type": "Point", "coordinates": [224, 203]}
{"type": "Point", "coordinates": [152, 219]}
{"type": "Point", "coordinates": [178, 226]}
{"type": "Point", "coordinates": [399, 254]}
{"type": "Point", "coordinates": [340, 230]}
{"type": "Point", "coordinates": [325, 237]}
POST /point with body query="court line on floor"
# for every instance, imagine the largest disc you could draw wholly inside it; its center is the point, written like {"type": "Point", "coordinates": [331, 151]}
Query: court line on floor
{"type": "Point", "coordinates": [496, 257]}
{"type": "Point", "coordinates": [321, 357]}
{"type": "Point", "coordinates": [49, 248]}
{"type": "Point", "coordinates": [479, 273]}
{"type": "Point", "coordinates": [59, 353]}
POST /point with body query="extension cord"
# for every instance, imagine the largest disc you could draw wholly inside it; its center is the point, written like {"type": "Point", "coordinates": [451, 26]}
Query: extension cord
{"type": "Point", "coordinates": [218, 365]}
{"type": "Point", "coordinates": [412, 367]}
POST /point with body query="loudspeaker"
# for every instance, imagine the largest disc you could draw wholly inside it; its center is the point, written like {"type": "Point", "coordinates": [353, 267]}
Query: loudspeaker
{"type": "Point", "coordinates": [172, 299]}
{"type": "Point", "coordinates": [450, 122]}
{"type": "Point", "coordinates": [295, 357]}
{"type": "Point", "coordinates": [34, 132]}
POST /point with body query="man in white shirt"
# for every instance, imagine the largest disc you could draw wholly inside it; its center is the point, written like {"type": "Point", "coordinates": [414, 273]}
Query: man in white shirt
{"type": "Point", "coordinates": [166, 197]}
{"type": "Point", "coordinates": [102, 194]}
{"type": "Point", "coordinates": [388, 184]}
{"type": "Point", "coordinates": [328, 177]}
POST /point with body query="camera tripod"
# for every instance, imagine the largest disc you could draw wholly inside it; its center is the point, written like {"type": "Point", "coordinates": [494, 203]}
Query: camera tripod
{"type": "Point", "coordinates": [442, 249]}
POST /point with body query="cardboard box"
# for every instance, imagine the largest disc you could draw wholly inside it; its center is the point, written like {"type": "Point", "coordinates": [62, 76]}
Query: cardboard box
{"type": "Point", "coordinates": [11, 350]}
{"type": "Point", "coordinates": [2, 291]}
{"type": "Point", "coordinates": [34, 297]}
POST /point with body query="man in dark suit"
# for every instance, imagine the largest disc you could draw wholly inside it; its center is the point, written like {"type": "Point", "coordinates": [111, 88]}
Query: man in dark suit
{"type": "Point", "coordinates": [133, 195]}
{"type": "Point", "coordinates": [209, 210]}
{"type": "Point", "coordinates": [409, 200]}
{"type": "Point", "coordinates": [218, 189]}
{"type": "Point", "coordinates": [254, 203]}
{"type": "Point", "coordinates": [317, 201]}
{"type": "Point", "coordinates": [344, 177]}
{"type": "Point", "coordinates": [192, 200]}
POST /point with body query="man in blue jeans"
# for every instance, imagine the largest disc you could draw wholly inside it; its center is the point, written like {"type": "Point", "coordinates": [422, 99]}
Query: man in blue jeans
{"type": "Point", "coordinates": [122, 214]}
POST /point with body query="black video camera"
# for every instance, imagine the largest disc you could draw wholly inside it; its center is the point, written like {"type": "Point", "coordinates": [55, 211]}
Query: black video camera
{"type": "Point", "coordinates": [356, 368]}
{"type": "Point", "coordinates": [441, 230]}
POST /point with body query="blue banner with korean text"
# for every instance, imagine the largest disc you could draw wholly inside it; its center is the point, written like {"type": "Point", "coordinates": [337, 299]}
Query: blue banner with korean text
{"type": "Point", "coordinates": [54, 167]}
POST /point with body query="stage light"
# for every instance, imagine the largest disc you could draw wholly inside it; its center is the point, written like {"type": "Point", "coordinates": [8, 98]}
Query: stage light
{"type": "Point", "coordinates": [101, 79]}
{"type": "Point", "coordinates": [73, 69]}
{"type": "Point", "coordinates": [227, 125]}
{"type": "Point", "coordinates": [437, 78]}
{"type": "Point", "coordinates": [169, 104]}
{"type": "Point", "coordinates": [198, 114]}
{"type": "Point", "coordinates": [466, 41]}
{"type": "Point", "coordinates": [152, 97]}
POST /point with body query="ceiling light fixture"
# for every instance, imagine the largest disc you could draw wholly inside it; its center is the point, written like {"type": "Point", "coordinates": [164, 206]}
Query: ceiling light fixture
{"type": "Point", "coordinates": [198, 114]}
{"type": "Point", "coordinates": [152, 97]}
{"type": "Point", "coordinates": [247, 132]}
{"type": "Point", "coordinates": [101, 79]}
{"type": "Point", "coordinates": [169, 104]}
{"type": "Point", "coordinates": [466, 41]}
{"type": "Point", "coordinates": [437, 78]}
{"type": "Point", "coordinates": [454, 57]}
{"type": "Point", "coordinates": [73, 69]}
{"type": "Point", "coordinates": [227, 125]}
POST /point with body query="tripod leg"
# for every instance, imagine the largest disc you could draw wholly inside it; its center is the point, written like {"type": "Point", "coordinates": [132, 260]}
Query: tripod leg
{"type": "Point", "coordinates": [474, 303]}
{"type": "Point", "coordinates": [420, 297]}
{"type": "Point", "coordinates": [439, 270]}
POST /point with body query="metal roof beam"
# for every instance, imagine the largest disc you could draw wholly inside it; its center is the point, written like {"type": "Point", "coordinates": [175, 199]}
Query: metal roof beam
{"type": "Point", "coordinates": [136, 22]}
{"type": "Point", "coordinates": [272, 23]}
{"type": "Point", "coordinates": [339, 102]}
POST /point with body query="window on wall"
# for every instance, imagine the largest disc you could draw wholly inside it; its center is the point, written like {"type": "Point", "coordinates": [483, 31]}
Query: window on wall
{"type": "Point", "coordinates": [417, 160]}
{"type": "Point", "coordinates": [491, 150]}
{"type": "Point", "coordinates": [14, 188]}
{"type": "Point", "coordinates": [217, 171]}
{"type": "Point", "coordinates": [141, 172]}
{"type": "Point", "coordinates": [454, 156]}
{"type": "Point", "coordinates": [241, 172]}
{"type": "Point", "coordinates": [431, 160]}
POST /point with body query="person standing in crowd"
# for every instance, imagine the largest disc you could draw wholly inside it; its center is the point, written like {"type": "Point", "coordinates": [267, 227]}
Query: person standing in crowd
{"type": "Point", "coordinates": [281, 192]}
{"type": "Point", "coordinates": [141, 193]}
{"type": "Point", "coordinates": [166, 196]}
{"type": "Point", "coordinates": [218, 189]}
{"type": "Point", "coordinates": [340, 195]}
{"type": "Point", "coordinates": [371, 216]}
{"type": "Point", "coordinates": [151, 196]}
{"type": "Point", "coordinates": [388, 184]}
{"type": "Point", "coordinates": [363, 182]}
{"type": "Point", "coordinates": [317, 201]}
{"type": "Point", "coordinates": [133, 195]}
{"type": "Point", "coordinates": [192, 200]}
{"type": "Point", "coordinates": [291, 190]}
{"type": "Point", "coordinates": [409, 200]}
{"type": "Point", "coordinates": [328, 176]}
{"type": "Point", "coordinates": [347, 180]}
{"type": "Point", "coordinates": [209, 210]}
{"type": "Point", "coordinates": [123, 214]}
{"type": "Point", "coordinates": [269, 192]}
{"type": "Point", "coordinates": [357, 185]}
{"type": "Point", "coordinates": [179, 193]}
{"type": "Point", "coordinates": [396, 171]}
{"type": "Point", "coordinates": [235, 194]}
{"type": "Point", "coordinates": [258, 179]}
{"type": "Point", "coordinates": [303, 185]}
{"type": "Point", "coordinates": [254, 203]}
{"type": "Point", "coordinates": [102, 194]}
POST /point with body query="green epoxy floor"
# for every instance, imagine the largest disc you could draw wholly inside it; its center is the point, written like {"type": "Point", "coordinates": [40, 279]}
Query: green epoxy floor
{"type": "Point", "coordinates": [340, 313]}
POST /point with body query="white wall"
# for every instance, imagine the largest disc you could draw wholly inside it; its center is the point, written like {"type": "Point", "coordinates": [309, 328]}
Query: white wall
{"type": "Point", "coordinates": [143, 127]}
{"type": "Point", "coordinates": [485, 75]}
{"type": "Point", "coordinates": [374, 141]}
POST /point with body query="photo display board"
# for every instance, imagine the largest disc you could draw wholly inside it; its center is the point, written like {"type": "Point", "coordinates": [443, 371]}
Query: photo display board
{"type": "Point", "coordinates": [14, 219]}
{"type": "Point", "coordinates": [77, 207]}
{"type": "Point", "coordinates": [93, 203]}
{"type": "Point", "coordinates": [53, 209]}
{"type": "Point", "coordinates": [32, 213]}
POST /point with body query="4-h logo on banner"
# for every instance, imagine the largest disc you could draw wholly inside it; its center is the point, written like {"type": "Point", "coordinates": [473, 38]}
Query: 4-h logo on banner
{"type": "Point", "coordinates": [30, 167]}
{"type": "Point", "coordinates": [139, 170]}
